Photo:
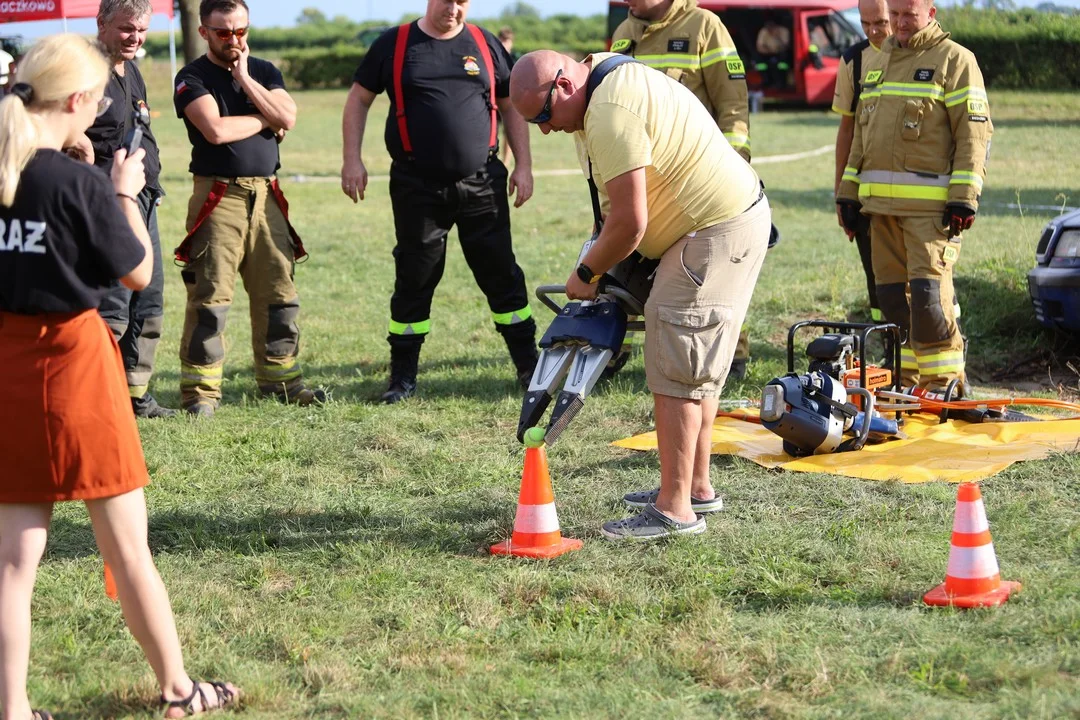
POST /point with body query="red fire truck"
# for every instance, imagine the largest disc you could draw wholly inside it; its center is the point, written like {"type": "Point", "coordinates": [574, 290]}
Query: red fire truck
{"type": "Point", "coordinates": [820, 31]}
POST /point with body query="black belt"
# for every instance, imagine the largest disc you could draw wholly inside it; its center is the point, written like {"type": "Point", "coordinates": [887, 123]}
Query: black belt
{"type": "Point", "coordinates": [760, 197]}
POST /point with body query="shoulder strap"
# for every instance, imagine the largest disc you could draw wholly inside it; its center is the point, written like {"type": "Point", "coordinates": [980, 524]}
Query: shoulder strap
{"type": "Point", "coordinates": [856, 75]}
{"type": "Point", "coordinates": [599, 72]}
{"type": "Point", "coordinates": [485, 54]}
{"type": "Point", "coordinates": [399, 95]}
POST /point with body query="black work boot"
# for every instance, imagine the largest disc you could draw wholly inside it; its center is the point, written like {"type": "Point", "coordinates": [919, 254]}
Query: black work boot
{"type": "Point", "coordinates": [404, 359]}
{"type": "Point", "coordinates": [521, 342]}
{"type": "Point", "coordinates": [147, 407]}
{"type": "Point", "coordinates": [201, 408]}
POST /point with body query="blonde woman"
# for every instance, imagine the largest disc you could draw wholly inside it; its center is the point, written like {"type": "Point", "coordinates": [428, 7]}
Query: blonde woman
{"type": "Point", "coordinates": [66, 428]}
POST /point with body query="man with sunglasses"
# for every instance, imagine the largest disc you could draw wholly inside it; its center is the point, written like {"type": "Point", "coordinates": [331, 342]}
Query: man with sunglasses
{"type": "Point", "coordinates": [445, 79]}
{"type": "Point", "coordinates": [236, 111]}
{"type": "Point", "coordinates": [671, 187]}
{"type": "Point", "coordinates": [135, 318]}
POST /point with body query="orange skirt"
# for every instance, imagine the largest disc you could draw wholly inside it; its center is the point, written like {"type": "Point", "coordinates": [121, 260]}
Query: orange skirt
{"type": "Point", "coordinates": [66, 427]}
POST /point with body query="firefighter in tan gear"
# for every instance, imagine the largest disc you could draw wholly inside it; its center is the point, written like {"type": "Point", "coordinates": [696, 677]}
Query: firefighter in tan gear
{"type": "Point", "coordinates": [692, 46]}
{"type": "Point", "coordinates": [916, 167]}
{"type": "Point", "coordinates": [236, 110]}
{"type": "Point", "coordinates": [874, 16]}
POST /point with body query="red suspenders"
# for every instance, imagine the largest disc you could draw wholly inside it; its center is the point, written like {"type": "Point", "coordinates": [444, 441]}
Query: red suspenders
{"type": "Point", "coordinates": [217, 192]}
{"type": "Point", "coordinates": [399, 96]}
{"type": "Point", "coordinates": [485, 53]}
{"type": "Point", "coordinates": [399, 67]}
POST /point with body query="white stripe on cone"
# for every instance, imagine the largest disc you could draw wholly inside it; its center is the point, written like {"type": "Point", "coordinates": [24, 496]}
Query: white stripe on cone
{"type": "Point", "coordinates": [972, 563]}
{"type": "Point", "coordinates": [970, 517]}
{"type": "Point", "coordinates": [536, 519]}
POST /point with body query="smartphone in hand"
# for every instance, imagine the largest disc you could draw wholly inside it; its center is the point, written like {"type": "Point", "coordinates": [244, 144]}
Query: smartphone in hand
{"type": "Point", "coordinates": [134, 136]}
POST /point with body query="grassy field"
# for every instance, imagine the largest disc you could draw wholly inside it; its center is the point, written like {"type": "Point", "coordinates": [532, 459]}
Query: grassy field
{"type": "Point", "coordinates": [333, 561]}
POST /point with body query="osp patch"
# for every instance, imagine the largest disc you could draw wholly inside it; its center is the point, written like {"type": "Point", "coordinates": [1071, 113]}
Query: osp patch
{"type": "Point", "coordinates": [978, 110]}
{"type": "Point", "coordinates": [625, 46]}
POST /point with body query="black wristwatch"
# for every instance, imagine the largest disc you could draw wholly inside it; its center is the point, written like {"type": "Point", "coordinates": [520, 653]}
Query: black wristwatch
{"type": "Point", "coordinates": [587, 276]}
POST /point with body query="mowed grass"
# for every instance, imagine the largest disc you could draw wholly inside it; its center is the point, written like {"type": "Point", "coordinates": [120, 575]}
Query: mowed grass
{"type": "Point", "coordinates": [334, 561]}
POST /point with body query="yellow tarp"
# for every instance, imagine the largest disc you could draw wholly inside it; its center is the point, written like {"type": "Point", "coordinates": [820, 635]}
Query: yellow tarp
{"type": "Point", "coordinates": [954, 451]}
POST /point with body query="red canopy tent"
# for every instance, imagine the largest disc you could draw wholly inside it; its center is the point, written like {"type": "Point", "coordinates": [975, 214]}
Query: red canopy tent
{"type": "Point", "coordinates": [30, 10]}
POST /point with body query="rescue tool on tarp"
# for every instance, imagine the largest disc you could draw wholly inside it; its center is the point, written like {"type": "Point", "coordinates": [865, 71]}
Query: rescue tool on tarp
{"type": "Point", "coordinates": [844, 394]}
{"type": "Point", "coordinates": [813, 412]}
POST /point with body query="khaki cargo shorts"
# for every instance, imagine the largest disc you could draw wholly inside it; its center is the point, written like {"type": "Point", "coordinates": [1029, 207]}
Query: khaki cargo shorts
{"type": "Point", "coordinates": [699, 298]}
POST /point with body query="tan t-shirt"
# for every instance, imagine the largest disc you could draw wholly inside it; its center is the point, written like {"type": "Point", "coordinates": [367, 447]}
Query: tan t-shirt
{"type": "Point", "coordinates": [773, 41]}
{"type": "Point", "coordinates": [640, 118]}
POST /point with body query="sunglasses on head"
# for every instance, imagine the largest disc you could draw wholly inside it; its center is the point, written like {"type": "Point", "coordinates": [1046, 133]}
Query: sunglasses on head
{"type": "Point", "coordinates": [545, 112]}
{"type": "Point", "coordinates": [224, 34]}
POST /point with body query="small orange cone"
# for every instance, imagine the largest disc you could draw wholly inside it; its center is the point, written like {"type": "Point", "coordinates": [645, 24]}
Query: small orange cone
{"type": "Point", "coordinates": [536, 525]}
{"type": "Point", "coordinates": [110, 584]}
{"type": "Point", "coordinates": [972, 578]}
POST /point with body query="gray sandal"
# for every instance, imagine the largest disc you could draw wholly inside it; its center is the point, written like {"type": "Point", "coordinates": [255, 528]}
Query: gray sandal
{"type": "Point", "coordinates": [642, 498]}
{"type": "Point", "coordinates": [651, 524]}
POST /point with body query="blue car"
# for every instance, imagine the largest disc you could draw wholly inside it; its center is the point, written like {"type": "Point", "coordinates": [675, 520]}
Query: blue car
{"type": "Point", "coordinates": [1054, 283]}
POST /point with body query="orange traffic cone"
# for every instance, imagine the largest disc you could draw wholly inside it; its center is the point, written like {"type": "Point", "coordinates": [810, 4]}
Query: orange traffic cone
{"type": "Point", "coordinates": [110, 584]}
{"type": "Point", "coordinates": [972, 578]}
{"type": "Point", "coordinates": [536, 525]}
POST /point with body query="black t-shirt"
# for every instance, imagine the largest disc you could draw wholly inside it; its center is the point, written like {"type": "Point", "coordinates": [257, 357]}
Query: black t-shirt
{"type": "Point", "coordinates": [446, 88]}
{"type": "Point", "coordinates": [256, 156]}
{"type": "Point", "coordinates": [65, 240]}
{"type": "Point", "coordinates": [128, 95]}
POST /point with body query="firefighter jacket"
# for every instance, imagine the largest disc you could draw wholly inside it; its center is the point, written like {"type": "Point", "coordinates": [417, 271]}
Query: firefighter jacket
{"type": "Point", "coordinates": [692, 46]}
{"type": "Point", "coordinates": [922, 131]}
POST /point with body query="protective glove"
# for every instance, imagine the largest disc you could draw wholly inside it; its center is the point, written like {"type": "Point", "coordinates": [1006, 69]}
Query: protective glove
{"type": "Point", "coordinates": [957, 218]}
{"type": "Point", "coordinates": [850, 214]}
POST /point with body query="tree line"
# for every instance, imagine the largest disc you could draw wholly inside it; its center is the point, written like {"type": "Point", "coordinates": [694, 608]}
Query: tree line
{"type": "Point", "coordinates": [1025, 48]}
{"type": "Point", "coordinates": [313, 29]}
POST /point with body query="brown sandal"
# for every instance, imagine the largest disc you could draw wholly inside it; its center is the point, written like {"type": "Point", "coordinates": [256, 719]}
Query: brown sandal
{"type": "Point", "coordinates": [225, 696]}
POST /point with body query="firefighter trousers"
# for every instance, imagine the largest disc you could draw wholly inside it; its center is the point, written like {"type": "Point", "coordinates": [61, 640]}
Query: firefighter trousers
{"type": "Point", "coordinates": [135, 318]}
{"type": "Point", "coordinates": [862, 241]}
{"type": "Point", "coordinates": [914, 258]}
{"type": "Point", "coordinates": [246, 234]}
{"type": "Point", "coordinates": [424, 212]}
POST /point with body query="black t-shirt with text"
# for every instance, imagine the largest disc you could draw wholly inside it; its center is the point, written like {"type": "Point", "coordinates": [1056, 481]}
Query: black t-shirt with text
{"type": "Point", "coordinates": [447, 104]}
{"type": "Point", "coordinates": [256, 156]}
{"type": "Point", "coordinates": [107, 134]}
{"type": "Point", "coordinates": [65, 241]}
